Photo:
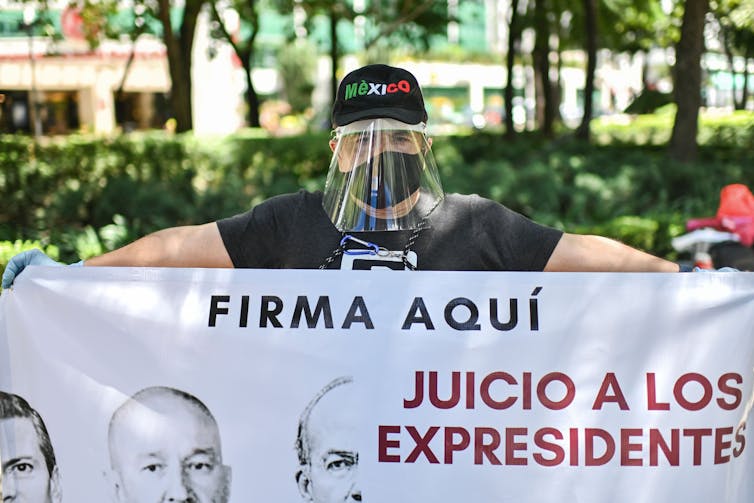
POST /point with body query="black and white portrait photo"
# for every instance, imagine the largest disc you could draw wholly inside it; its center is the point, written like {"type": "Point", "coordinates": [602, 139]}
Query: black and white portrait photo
{"type": "Point", "coordinates": [326, 445]}
{"type": "Point", "coordinates": [164, 445]}
{"type": "Point", "coordinates": [29, 469]}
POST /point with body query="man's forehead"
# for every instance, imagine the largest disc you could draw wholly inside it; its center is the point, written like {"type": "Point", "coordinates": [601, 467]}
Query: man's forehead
{"type": "Point", "coordinates": [140, 421]}
{"type": "Point", "coordinates": [164, 452]}
{"type": "Point", "coordinates": [324, 441]}
{"type": "Point", "coordinates": [385, 134]}
{"type": "Point", "coordinates": [333, 424]}
{"type": "Point", "coordinates": [18, 437]}
{"type": "Point", "coordinates": [164, 407]}
{"type": "Point", "coordinates": [139, 428]}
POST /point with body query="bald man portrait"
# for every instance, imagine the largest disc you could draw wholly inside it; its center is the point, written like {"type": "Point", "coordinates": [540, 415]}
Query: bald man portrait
{"type": "Point", "coordinates": [29, 469]}
{"type": "Point", "coordinates": [165, 446]}
{"type": "Point", "coordinates": [327, 445]}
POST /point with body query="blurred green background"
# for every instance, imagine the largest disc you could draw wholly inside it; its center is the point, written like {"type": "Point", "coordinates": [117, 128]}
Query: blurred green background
{"type": "Point", "coordinates": [557, 131]}
{"type": "Point", "coordinates": [80, 196]}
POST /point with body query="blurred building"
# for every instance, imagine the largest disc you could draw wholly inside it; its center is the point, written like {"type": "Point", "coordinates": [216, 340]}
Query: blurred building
{"type": "Point", "coordinates": [60, 85]}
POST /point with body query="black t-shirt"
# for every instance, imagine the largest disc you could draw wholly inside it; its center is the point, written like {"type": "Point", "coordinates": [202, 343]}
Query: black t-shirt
{"type": "Point", "coordinates": [465, 233]}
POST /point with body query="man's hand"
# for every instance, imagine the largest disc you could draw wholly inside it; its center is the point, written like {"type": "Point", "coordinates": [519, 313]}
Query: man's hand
{"type": "Point", "coordinates": [19, 262]}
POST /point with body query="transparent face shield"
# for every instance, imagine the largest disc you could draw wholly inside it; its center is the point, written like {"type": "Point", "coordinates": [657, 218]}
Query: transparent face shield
{"type": "Point", "coordinates": [382, 177]}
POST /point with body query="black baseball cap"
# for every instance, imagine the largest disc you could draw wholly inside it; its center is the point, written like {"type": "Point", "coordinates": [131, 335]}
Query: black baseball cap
{"type": "Point", "coordinates": [379, 91]}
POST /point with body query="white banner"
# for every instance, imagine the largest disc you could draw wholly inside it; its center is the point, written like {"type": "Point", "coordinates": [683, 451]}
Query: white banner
{"type": "Point", "coordinates": [290, 386]}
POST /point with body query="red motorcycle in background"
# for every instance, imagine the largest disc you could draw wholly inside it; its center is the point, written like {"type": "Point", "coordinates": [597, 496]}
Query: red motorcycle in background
{"type": "Point", "coordinates": [726, 239]}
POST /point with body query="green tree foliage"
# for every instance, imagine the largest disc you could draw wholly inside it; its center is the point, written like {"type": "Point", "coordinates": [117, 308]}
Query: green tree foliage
{"type": "Point", "coordinates": [626, 26]}
{"type": "Point", "coordinates": [107, 20]}
{"type": "Point", "coordinates": [297, 63]}
{"type": "Point", "coordinates": [242, 41]}
{"type": "Point", "coordinates": [634, 26]}
{"type": "Point", "coordinates": [88, 195]}
{"type": "Point", "coordinates": [335, 13]}
{"type": "Point", "coordinates": [638, 26]}
{"type": "Point", "coordinates": [386, 23]}
{"type": "Point", "coordinates": [735, 20]}
{"type": "Point", "coordinates": [410, 23]}
{"type": "Point", "coordinates": [175, 24]}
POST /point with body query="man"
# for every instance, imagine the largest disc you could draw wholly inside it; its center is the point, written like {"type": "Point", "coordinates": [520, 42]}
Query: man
{"type": "Point", "coordinates": [383, 206]}
{"type": "Point", "coordinates": [327, 446]}
{"type": "Point", "coordinates": [165, 446]}
{"type": "Point", "coordinates": [29, 470]}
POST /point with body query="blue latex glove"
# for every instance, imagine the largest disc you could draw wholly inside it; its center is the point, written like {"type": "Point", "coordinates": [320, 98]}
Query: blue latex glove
{"type": "Point", "coordinates": [722, 269]}
{"type": "Point", "coordinates": [30, 257]}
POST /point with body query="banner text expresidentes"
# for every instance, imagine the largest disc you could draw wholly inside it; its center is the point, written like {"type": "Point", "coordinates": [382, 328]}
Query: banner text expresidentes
{"type": "Point", "coordinates": [552, 446]}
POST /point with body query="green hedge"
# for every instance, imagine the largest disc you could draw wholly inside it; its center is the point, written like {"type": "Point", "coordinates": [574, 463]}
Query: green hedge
{"type": "Point", "coordinates": [89, 195]}
{"type": "Point", "coordinates": [716, 129]}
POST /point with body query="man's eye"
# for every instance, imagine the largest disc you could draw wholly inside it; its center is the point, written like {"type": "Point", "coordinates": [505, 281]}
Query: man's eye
{"type": "Point", "coordinates": [339, 464]}
{"type": "Point", "coordinates": [199, 463]}
{"type": "Point", "coordinates": [152, 468]}
{"type": "Point", "coordinates": [23, 468]}
{"type": "Point", "coordinates": [403, 137]}
{"type": "Point", "coordinates": [200, 466]}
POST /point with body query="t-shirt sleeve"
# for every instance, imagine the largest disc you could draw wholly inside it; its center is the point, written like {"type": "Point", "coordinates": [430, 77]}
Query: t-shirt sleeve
{"type": "Point", "coordinates": [253, 239]}
{"type": "Point", "coordinates": [522, 243]}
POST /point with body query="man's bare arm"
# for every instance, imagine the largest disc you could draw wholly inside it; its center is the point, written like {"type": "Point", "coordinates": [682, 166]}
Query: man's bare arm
{"type": "Point", "coordinates": [576, 252]}
{"type": "Point", "coordinates": [188, 246]}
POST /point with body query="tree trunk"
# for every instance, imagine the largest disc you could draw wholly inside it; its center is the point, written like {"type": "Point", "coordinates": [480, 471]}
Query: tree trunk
{"type": "Point", "coordinates": [244, 50]}
{"type": "Point", "coordinates": [127, 67]}
{"type": "Point", "coordinates": [542, 85]}
{"type": "Point", "coordinates": [334, 55]}
{"type": "Point", "coordinates": [590, 12]}
{"type": "Point", "coordinates": [252, 98]}
{"type": "Point", "coordinates": [688, 81]}
{"type": "Point", "coordinates": [513, 40]}
{"type": "Point", "coordinates": [645, 84]}
{"type": "Point", "coordinates": [745, 94]}
{"type": "Point", "coordinates": [557, 87]}
{"type": "Point", "coordinates": [119, 92]}
{"type": "Point", "coordinates": [179, 59]}
{"type": "Point", "coordinates": [732, 66]}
